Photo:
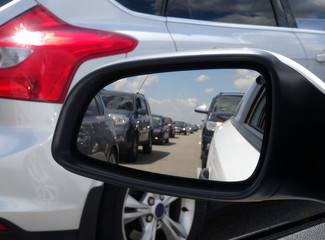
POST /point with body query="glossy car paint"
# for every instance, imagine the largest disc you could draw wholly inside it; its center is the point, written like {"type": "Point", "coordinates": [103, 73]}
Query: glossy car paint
{"type": "Point", "coordinates": [39, 195]}
{"type": "Point", "coordinates": [231, 157]}
{"type": "Point", "coordinates": [190, 35]}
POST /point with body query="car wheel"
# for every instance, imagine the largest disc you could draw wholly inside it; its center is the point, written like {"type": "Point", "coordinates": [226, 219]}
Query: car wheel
{"type": "Point", "coordinates": [204, 158]}
{"type": "Point", "coordinates": [167, 140]}
{"type": "Point", "coordinates": [112, 158]}
{"type": "Point", "coordinates": [161, 141]}
{"type": "Point", "coordinates": [133, 152]}
{"type": "Point", "coordinates": [147, 147]}
{"type": "Point", "coordinates": [143, 215]}
{"type": "Point", "coordinates": [185, 133]}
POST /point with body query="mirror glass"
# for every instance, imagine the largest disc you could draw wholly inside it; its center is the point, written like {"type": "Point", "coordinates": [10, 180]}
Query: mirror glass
{"type": "Point", "coordinates": [202, 124]}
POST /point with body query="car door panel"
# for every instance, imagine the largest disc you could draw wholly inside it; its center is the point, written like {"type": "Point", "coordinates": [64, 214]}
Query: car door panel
{"type": "Point", "coordinates": [192, 34]}
{"type": "Point", "coordinates": [314, 46]}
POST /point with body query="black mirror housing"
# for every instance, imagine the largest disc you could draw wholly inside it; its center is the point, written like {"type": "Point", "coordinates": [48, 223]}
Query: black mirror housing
{"type": "Point", "coordinates": [291, 159]}
{"type": "Point", "coordinates": [141, 111]}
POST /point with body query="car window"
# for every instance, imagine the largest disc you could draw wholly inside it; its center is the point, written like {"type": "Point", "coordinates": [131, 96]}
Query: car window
{"type": "Point", "coordinates": [257, 117]}
{"type": "Point", "coordinates": [179, 124]}
{"type": "Point", "coordinates": [118, 102]}
{"type": "Point", "coordinates": [309, 14]}
{"type": "Point", "coordinates": [167, 120]}
{"type": "Point", "coordinates": [144, 6]}
{"type": "Point", "coordinates": [92, 110]}
{"type": "Point", "coordinates": [157, 121]}
{"type": "Point", "coordinates": [148, 106]}
{"type": "Point", "coordinates": [4, 2]}
{"type": "Point", "coordinates": [100, 105]}
{"type": "Point", "coordinates": [143, 104]}
{"type": "Point", "coordinates": [229, 11]}
{"type": "Point", "coordinates": [226, 104]}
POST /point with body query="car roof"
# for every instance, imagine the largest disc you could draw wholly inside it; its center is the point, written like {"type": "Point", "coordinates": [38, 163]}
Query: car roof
{"type": "Point", "coordinates": [237, 94]}
{"type": "Point", "coordinates": [110, 92]}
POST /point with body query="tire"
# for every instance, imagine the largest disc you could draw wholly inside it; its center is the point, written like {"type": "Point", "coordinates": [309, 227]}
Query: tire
{"type": "Point", "coordinates": [133, 151]}
{"type": "Point", "coordinates": [204, 158]}
{"type": "Point", "coordinates": [167, 140]}
{"type": "Point", "coordinates": [112, 158]}
{"type": "Point", "coordinates": [185, 133]}
{"type": "Point", "coordinates": [161, 141]}
{"type": "Point", "coordinates": [147, 147]}
{"type": "Point", "coordinates": [114, 223]}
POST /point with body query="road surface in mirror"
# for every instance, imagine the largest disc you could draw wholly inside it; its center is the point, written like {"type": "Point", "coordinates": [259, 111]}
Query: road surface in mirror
{"type": "Point", "coordinates": [179, 157]}
{"type": "Point", "coordinates": [195, 124]}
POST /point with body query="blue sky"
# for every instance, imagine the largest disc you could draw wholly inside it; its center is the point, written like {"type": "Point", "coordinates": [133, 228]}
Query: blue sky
{"type": "Point", "coordinates": [176, 94]}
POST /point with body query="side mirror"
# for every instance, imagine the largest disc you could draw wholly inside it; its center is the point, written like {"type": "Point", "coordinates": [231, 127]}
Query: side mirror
{"type": "Point", "coordinates": [201, 109]}
{"type": "Point", "coordinates": [141, 111]}
{"type": "Point", "coordinates": [267, 153]}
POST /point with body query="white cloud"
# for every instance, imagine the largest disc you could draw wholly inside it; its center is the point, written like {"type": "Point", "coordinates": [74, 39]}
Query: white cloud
{"type": "Point", "coordinates": [127, 85]}
{"type": "Point", "coordinates": [202, 78]}
{"type": "Point", "coordinates": [244, 79]}
{"type": "Point", "coordinates": [209, 90]}
{"type": "Point", "coordinates": [179, 109]}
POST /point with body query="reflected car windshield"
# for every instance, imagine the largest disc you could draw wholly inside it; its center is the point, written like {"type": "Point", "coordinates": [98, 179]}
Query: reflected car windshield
{"type": "Point", "coordinates": [179, 124]}
{"type": "Point", "coordinates": [226, 104]}
{"type": "Point", "coordinates": [118, 102]}
{"type": "Point", "coordinates": [156, 121]}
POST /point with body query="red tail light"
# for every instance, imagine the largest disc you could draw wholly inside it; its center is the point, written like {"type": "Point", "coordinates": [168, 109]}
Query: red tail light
{"type": "Point", "coordinates": [4, 228]}
{"type": "Point", "coordinates": [39, 55]}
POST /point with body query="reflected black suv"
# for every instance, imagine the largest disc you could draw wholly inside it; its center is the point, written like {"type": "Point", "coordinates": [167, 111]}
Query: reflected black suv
{"type": "Point", "coordinates": [222, 107]}
{"type": "Point", "coordinates": [97, 137]}
{"type": "Point", "coordinates": [133, 122]}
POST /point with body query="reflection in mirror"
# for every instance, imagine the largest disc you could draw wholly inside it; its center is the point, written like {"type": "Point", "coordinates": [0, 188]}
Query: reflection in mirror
{"type": "Point", "coordinates": [205, 124]}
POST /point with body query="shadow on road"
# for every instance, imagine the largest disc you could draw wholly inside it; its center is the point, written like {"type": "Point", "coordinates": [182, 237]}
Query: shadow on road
{"type": "Point", "coordinates": [165, 144]}
{"type": "Point", "coordinates": [147, 158]}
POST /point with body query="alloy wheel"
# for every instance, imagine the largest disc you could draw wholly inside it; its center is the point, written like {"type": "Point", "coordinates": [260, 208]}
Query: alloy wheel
{"type": "Point", "coordinates": [150, 216]}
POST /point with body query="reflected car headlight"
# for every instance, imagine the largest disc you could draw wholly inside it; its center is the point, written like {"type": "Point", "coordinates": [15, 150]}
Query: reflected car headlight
{"type": "Point", "coordinates": [119, 119]}
{"type": "Point", "coordinates": [211, 126]}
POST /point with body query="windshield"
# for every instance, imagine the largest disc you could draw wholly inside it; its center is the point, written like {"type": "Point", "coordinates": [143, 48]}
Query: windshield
{"type": "Point", "coordinates": [118, 102]}
{"type": "Point", "coordinates": [156, 121]}
{"type": "Point", "coordinates": [179, 124]}
{"type": "Point", "coordinates": [226, 104]}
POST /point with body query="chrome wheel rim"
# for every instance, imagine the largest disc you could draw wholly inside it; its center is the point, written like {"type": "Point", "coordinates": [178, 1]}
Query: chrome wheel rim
{"type": "Point", "coordinates": [149, 216]}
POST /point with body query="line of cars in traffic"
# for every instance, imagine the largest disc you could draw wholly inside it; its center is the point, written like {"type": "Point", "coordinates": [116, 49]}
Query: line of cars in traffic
{"type": "Point", "coordinates": [117, 123]}
{"type": "Point", "coordinates": [184, 128]}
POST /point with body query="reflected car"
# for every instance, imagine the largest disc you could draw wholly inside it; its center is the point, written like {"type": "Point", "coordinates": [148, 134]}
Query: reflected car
{"type": "Point", "coordinates": [160, 130]}
{"type": "Point", "coordinates": [171, 126]}
{"type": "Point", "coordinates": [222, 107]}
{"type": "Point", "coordinates": [97, 137]}
{"type": "Point", "coordinates": [133, 123]}
{"type": "Point", "coordinates": [243, 131]}
{"type": "Point", "coordinates": [189, 128]}
{"type": "Point", "coordinates": [180, 127]}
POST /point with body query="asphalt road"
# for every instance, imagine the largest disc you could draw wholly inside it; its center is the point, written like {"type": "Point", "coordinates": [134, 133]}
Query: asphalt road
{"type": "Point", "coordinates": [179, 157]}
